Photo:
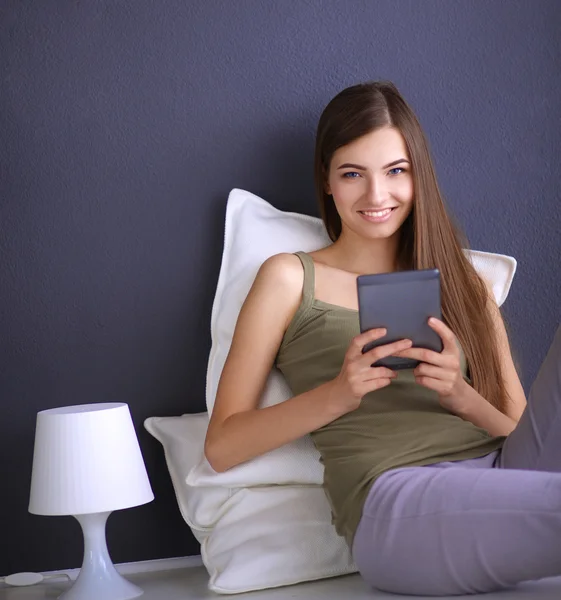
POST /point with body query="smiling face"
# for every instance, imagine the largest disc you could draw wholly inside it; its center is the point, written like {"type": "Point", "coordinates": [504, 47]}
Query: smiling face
{"type": "Point", "coordinates": [371, 183]}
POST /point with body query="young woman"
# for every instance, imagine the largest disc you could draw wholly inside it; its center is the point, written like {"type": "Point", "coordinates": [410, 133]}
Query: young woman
{"type": "Point", "coordinates": [441, 479]}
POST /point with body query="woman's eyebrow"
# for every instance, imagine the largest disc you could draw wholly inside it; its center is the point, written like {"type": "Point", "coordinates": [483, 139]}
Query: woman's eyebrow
{"type": "Point", "coordinates": [362, 168]}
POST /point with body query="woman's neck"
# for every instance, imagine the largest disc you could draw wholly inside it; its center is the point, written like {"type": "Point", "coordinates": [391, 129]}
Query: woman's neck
{"type": "Point", "coordinates": [364, 257]}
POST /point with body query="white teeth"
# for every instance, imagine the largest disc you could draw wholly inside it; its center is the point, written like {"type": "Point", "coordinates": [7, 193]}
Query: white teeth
{"type": "Point", "coordinates": [375, 214]}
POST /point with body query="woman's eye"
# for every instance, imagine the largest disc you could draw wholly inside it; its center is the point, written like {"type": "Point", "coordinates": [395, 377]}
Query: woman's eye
{"type": "Point", "coordinates": [396, 171]}
{"type": "Point", "coordinates": [349, 174]}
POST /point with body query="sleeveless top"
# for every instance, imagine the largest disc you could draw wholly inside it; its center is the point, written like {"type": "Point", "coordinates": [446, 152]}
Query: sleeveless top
{"type": "Point", "coordinates": [400, 425]}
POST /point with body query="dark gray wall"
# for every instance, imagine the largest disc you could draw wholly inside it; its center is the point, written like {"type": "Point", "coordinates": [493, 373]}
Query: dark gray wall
{"type": "Point", "coordinates": [125, 124]}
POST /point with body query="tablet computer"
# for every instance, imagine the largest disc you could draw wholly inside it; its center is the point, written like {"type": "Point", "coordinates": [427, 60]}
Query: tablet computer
{"type": "Point", "coordinates": [402, 303]}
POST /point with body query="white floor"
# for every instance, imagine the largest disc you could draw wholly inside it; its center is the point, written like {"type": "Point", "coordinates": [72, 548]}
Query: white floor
{"type": "Point", "coordinates": [191, 584]}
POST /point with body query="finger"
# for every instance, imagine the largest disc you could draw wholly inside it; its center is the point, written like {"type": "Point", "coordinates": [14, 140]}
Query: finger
{"type": "Point", "coordinates": [426, 370]}
{"type": "Point", "coordinates": [381, 383]}
{"type": "Point", "coordinates": [446, 334]}
{"type": "Point", "coordinates": [431, 383]}
{"type": "Point", "coordinates": [376, 384]}
{"type": "Point", "coordinates": [359, 341]}
{"type": "Point", "coordinates": [372, 373]}
{"type": "Point", "coordinates": [386, 350]}
{"type": "Point", "coordinates": [423, 355]}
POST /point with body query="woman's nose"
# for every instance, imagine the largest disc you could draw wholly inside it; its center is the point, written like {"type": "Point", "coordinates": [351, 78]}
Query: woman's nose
{"type": "Point", "coordinates": [377, 192]}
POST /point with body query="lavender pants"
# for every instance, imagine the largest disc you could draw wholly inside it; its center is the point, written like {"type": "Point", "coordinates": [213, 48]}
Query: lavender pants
{"type": "Point", "coordinates": [475, 525]}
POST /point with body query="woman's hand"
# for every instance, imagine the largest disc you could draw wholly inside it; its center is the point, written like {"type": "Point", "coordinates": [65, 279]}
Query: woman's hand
{"type": "Point", "coordinates": [358, 377]}
{"type": "Point", "coordinates": [440, 371]}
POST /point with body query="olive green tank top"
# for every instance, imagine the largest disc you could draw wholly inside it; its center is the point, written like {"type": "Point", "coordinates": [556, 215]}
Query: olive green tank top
{"type": "Point", "coordinates": [400, 425]}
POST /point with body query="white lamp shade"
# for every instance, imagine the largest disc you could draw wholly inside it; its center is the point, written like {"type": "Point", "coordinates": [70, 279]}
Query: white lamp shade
{"type": "Point", "coordinates": [87, 460]}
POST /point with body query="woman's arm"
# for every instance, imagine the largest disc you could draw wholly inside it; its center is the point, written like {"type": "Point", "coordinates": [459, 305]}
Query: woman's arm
{"type": "Point", "coordinates": [471, 406]}
{"type": "Point", "coordinates": [247, 434]}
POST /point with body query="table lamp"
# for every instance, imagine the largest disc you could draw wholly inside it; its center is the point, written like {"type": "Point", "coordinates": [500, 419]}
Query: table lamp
{"type": "Point", "coordinates": [87, 463]}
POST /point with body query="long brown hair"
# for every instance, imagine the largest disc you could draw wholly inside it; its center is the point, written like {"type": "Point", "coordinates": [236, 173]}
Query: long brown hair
{"type": "Point", "coordinates": [429, 238]}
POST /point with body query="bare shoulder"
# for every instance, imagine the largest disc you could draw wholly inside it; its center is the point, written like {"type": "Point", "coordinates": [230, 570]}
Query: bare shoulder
{"type": "Point", "coordinates": [282, 270]}
{"type": "Point", "coordinates": [284, 264]}
{"type": "Point", "coordinates": [278, 284]}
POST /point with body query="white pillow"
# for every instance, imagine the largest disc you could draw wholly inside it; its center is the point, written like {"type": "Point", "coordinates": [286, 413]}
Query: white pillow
{"type": "Point", "coordinates": [274, 536]}
{"type": "Point", "coordinates": [183, 441]}
{"type": "Point", "coordinates": [250, 538]}
{"type": "Point", "coordinates": [254, 231]}
{"type": "Point", "coordinates": [496, 269]}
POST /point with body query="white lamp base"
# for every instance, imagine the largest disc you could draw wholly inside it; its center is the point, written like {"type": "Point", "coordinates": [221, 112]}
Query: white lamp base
{"type": "Point", "coordinates": [98, 578]}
